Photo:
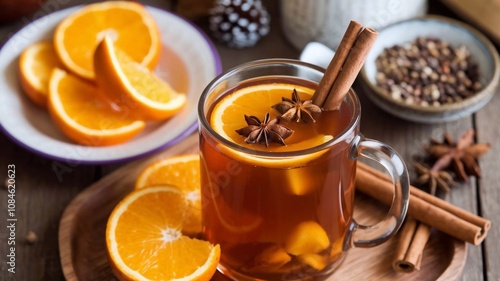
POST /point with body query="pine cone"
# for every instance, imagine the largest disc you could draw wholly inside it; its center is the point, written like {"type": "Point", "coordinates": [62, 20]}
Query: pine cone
{"type": "Point", "coordinates": [239, 23]}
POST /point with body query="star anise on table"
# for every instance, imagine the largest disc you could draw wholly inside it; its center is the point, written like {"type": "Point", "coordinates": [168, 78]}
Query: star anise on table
{"type": "Point", "coordinates": [296, 109]}
{"type": "Point", "coordinates": [461, 156]}
{"type": "Point", "coordinates": [265, 131]}
{"type": "Point", "coordinates": [433, 177]}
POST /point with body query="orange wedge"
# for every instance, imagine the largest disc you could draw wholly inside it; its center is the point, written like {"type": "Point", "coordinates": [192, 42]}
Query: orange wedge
{"type": "Point", "coordinates": [83, 116]}
{"type": "Point", "coordinates": [35, 67]}
{"type": "Point", "coordinates": [182, 172]}
{"type": "Point", "coordinates": [144, 239]}
{"type": "Point", "coordinates": [121, 78]}
{"type": "Point", "coordinates": [129, 24]}
{"type": "Point", "coordinates": [316, 261]}
{"type": "Point", "coordinates": [307, 237]}
{"type": "Point", "coordinates": [274, 255]}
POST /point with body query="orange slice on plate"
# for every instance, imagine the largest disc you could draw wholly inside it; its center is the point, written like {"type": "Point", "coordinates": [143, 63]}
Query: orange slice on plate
{"type": "Point", "coordinates": [145, 242]}
{"type": "Point", "coordinates": [121, 77]}
{"type": "Point", "coordinates": [129, 25]}
{"type": "Point", "coordinates": [83, 116]}
{"type": "Point", "coordinates": [35, 67]}
{"type": "Point", "coordinates": [182, 172]}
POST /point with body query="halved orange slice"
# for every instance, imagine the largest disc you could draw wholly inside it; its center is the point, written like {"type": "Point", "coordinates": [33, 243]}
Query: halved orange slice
{"type": "Point", "coordinates": [35, 67]}
{"type": "Point", "coordinates": [128, 23]}
{"type": "Point", "coordinates": [182, 172]}
{"type": "Point", "coordinates": [121, 78]}
{"type": "Point", "coordinates": [83, 116]}
{"type": "Point", "coordinates": [145, 242]}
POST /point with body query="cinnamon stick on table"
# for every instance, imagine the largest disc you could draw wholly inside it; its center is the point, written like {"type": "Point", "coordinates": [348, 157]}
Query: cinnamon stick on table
{"type": "Point", "coordinates": [424, 207]}
{"type": "Point", "coordinates": [345, 66]}
{"type": "Point", "coordinates": [412, 239]}
{"type": "Point", "coordinates": [410, 247]}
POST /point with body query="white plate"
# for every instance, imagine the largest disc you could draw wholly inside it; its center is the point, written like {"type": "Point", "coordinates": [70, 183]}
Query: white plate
{"type": "Point", "coordinates": [31, 126]}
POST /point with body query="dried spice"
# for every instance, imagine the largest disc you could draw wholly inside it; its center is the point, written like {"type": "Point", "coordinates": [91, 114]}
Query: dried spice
{"type": "Point", "coordinates": [428, 72]}
{"type": "Point", "coordinates": [460, 156]}
{"type": "Point", "coordinates": [265, 131]}
{"type": "Point", "coordinates": [295, 109]}
{"type": "Point", "coordinates": [434, 177]}
{"type": "Point", "coordinates": [463, 154]}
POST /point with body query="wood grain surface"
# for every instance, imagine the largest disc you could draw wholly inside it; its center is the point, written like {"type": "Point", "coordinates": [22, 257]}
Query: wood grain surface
{"type": "Point", "coordinates": [42, 196]}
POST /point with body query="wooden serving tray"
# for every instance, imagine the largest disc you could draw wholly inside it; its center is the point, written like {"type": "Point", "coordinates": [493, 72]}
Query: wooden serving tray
{"type": "Point", "coordinates": [83, 251]}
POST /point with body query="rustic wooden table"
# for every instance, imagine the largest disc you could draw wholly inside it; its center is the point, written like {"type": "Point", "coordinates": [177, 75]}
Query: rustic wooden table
{"type": "Point", "coordinates": [41, 198]}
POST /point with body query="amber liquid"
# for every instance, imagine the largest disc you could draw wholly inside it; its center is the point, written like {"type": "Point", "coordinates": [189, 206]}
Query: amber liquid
{"type": "Point", "coordinates": [254, 211]}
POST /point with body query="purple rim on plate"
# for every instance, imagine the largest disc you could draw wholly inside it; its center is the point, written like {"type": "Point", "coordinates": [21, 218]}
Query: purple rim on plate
{"type": "Point", "coordinates": [179, 137]}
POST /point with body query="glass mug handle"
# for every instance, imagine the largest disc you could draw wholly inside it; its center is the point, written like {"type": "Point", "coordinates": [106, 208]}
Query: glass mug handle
{"type": "Point", "coordinates": [369, 236]}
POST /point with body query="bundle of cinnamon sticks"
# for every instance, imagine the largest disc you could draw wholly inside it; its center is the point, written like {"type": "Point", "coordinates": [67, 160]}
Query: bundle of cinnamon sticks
{"type": "Point", "coordinates": [344, 66]}
{"type": "Point", "coordinates": [424, 211]}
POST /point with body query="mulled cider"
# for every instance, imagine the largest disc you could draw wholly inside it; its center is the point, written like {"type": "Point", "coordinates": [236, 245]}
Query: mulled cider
{"type": "Point", "coordinates": [278, 173]}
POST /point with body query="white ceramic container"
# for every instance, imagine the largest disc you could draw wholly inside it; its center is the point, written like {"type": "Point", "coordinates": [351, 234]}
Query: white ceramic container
{"type": "Point", "coordinates": [325, 21]}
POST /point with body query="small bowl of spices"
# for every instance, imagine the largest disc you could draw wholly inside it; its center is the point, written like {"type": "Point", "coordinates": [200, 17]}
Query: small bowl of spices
{"type": "Point", "coordinates": [431, 70]}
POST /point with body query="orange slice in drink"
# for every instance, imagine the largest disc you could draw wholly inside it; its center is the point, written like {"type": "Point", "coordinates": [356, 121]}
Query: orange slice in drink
{"type": "Point", "coordinates": [273, 258]}
{"type": "Point", "coordinates": [121, 78]}
{"type": "Point", "coordinates": [228, 116]}
{"type": "Point", "coordinates": [337, 249]}
{"type": "Point", "coordinates": [228, 113]}
{"type": "Point", "coordinates": [129, 25]}
{"type": "Point", "coordinates": [307, 237]}
{"type": "Point", "coordinates": [35, 67]}
{"type": "Point", "coordinates": [145, 242]}
{"type": "Point", "coordinates": [83, 116]}
{"type": "Point", "coordinates": [274, 255]}
{"type": "Point", "coordinates": [316, 261]}
{"type": "Point", "coordinates": [182, 172]}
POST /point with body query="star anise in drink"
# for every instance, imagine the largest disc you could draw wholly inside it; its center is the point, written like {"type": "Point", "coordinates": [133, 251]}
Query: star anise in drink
{"type": "Point", "coordinates": [265, 131]}
{"type": "Point", "coordinates": [296, 109]}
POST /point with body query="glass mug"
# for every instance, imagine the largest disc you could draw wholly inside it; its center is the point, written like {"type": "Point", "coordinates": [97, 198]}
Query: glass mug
{"type": "Point", "coordinates": [288, 215]}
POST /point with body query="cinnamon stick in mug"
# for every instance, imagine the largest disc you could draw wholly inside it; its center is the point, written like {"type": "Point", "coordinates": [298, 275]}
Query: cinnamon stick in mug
{"type": "Point", "coordinates": [425, 208]}
{"type": "Point", "coordinates": [338, 60]}
{"type": "Point", "coordinates": [351, 68]}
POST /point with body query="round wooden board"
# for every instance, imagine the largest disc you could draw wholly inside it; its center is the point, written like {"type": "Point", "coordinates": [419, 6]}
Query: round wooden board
{"type": "Point", "coordinates": [83, 251]}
